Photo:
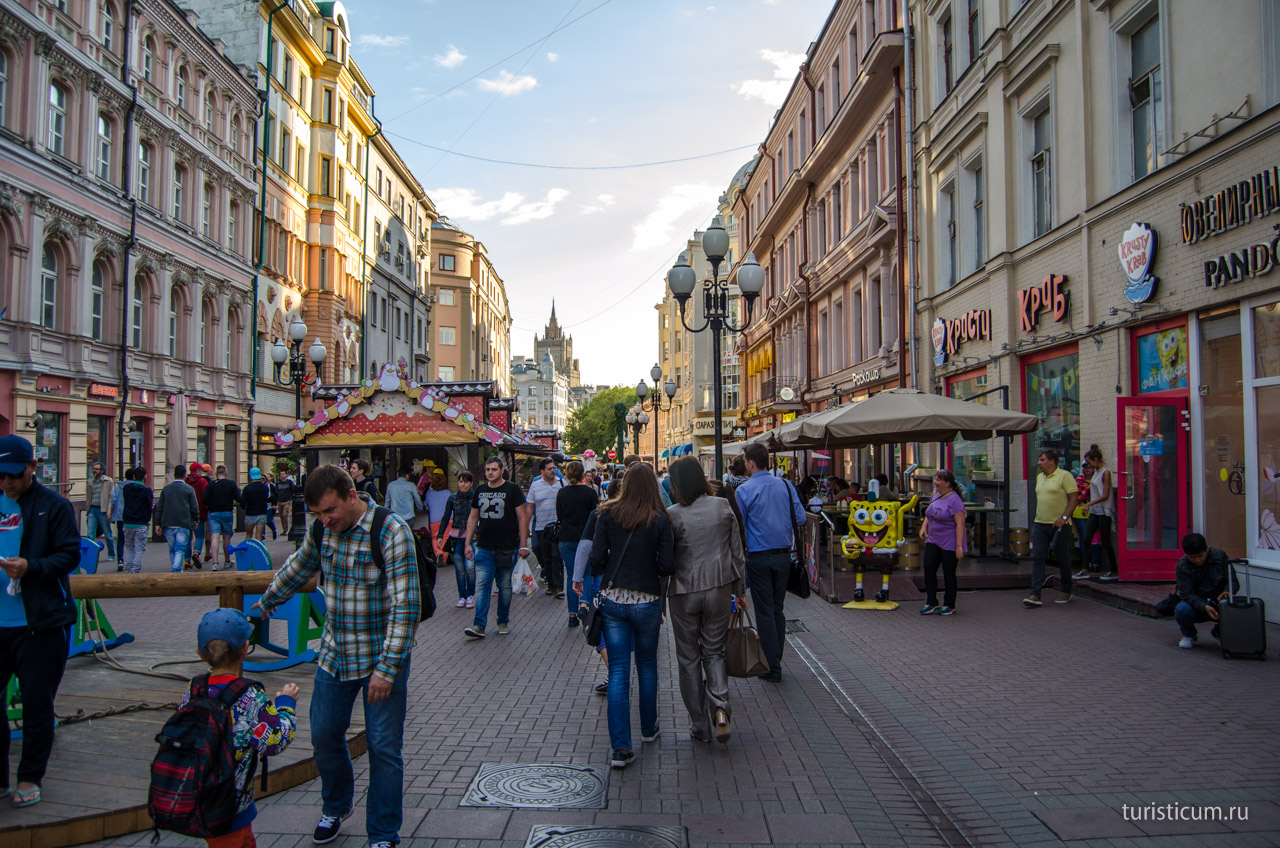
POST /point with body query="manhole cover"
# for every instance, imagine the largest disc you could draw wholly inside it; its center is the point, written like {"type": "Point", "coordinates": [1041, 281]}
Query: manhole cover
{"type": "Point", "coordinates": [795, 625]}
{"type": "Point", "coordinates": [537, 786]}
{"type": "Point", "coordinates": [549, 836]}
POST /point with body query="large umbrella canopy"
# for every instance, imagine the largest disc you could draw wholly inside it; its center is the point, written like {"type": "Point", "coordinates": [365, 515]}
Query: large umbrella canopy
{"type": "Point", "coordinates": [904, 415]}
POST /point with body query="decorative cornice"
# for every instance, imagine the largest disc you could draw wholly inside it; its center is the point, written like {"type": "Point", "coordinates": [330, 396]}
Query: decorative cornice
{"type": "Point", "coordinates": [10, 201]}
{"type": "Point", "coordinates": [13, 30]}
{"type": "Point", "coordinates": [59, 229]}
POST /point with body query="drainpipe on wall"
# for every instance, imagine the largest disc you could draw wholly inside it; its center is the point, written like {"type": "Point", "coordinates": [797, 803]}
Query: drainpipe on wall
{"type": "Point", "coordinates": [364, 241]}
{"type": "Point", "coordinates": [906, 322]}
{"type": "Point", "coordinates": [806, 278]}
{"type": "Point", "coordinates": [127, 179]}
{"type": "Point", "coordinates": [908, 137]}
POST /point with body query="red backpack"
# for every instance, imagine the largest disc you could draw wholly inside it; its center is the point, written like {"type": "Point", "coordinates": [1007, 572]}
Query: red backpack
{"type": "Point", "coordinates": [193, 777]}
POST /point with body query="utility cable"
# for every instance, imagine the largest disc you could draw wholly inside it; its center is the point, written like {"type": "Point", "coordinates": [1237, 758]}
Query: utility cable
{"type": "Point", "coordinates": [573, 167]}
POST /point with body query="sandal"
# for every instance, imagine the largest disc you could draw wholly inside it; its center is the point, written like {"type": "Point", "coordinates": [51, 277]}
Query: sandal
{"type": "Point", "coordinates": [26, 797]}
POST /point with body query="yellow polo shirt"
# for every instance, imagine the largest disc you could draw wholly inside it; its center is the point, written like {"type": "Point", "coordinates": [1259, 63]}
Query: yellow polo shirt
{"type": "Point", "coordinates": [1052, 493]}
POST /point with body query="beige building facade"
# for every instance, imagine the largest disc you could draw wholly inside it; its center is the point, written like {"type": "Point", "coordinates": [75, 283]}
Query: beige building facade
{"type": "Point", "coordinates": [472, 336]}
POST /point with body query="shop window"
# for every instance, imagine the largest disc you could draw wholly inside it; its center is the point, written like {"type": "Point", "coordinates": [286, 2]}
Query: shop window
{"type": "Point", "coordinates": [1224, 455]}
{"type": "Point", "coordinates": [1161, 360]}
{"type": "Point", "coordinates": [204, 445]}
{"type": "Point", "coordinates": [1051, 392]}
{"type": "Point", "coordinates": [48, 447]}
{"type": "Point", "coordinates": [1266, 341]}
{"type": "Point", "coordinates": [97, 442]}
{"type": "Point", "coordinates": [970, 460]}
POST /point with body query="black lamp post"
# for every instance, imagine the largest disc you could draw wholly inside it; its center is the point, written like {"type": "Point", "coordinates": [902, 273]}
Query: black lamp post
{"type": "Point", "coordinates": [655, 373]}
{"type": "Point", "coordinates": [637, 418]}
{"type": "Point", "coordinates": [715, 306]}
{"type": "Point", "coordinates": [291, 355]}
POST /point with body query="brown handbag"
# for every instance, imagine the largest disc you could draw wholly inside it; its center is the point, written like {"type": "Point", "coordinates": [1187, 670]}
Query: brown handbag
{"type": "Point", "coordinates": [743, 656]}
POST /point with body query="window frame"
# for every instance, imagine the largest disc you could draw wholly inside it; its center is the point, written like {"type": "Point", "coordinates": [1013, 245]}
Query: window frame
{"type": "Point", "coordinates": [450, 333]}
{"type": "Point", "coordinates": [97, 301]}
{"type": "Point", "coordinates": [56, 136]}
{"type": "Point", "coordinates": [105, 142]}
{"type": "Point", "coordinates": [144, 173]}
{"type": "Point", "coordinates": [179, 188]}
{"type": "Point", "coordinates": [49, 286]}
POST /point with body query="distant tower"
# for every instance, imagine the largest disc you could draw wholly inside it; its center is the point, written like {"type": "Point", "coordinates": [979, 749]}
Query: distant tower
{"type": "Point", "coordinates": [560, 346]}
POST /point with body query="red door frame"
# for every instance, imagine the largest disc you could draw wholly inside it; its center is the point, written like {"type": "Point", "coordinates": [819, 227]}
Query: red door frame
{"type": "Point", "coordinates": [1150, 564]}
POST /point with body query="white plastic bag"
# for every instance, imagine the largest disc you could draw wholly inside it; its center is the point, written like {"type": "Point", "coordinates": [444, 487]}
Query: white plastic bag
{"type": "Point", "coordinates": [522, 580]}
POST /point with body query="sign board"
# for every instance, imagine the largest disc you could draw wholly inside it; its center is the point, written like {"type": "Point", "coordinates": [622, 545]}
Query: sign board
{"type": "Point", "coordinates": [707, 426]}
{"type": "Point", "coordinates": [1137, 254]}
{"type": "Point", "coordinates": [1050, 294]}
{"type": "Point", "coordinates": [103, 390]}
{"type": "Point", "coordinates": [613, 454]}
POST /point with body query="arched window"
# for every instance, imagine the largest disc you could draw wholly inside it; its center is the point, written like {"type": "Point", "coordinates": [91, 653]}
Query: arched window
{"type": "Point", "coordinates": [206, 211]}
{"type": "Point", "coordinates": [4, 84]}
{"type": "Point", "coordinates": [233, 338]}
{"type": "Point", "coordinates": [57, 119]}
{"type": "Point", "coordinates": [182, 88]}
{"type": "Point", "coordinates": [148, 54]}
{"type": "Point", "coordinates": [97, 296]}
{"type": "Point", "coordinates": [208, 113]}
{"type": "Point", "coordinates": [48, 288]}
{"type": "Point", "coordinates": [104, 149]}
{"type": "Point", "coordinates": [144, 174]}
{"type": "Point", "coordinates": [179, 184]}
{"type": "Point", "coordinates": [173, 324]}
{"type": "Point", "coordinates": [235, 134]}
{"type": "Point", "coordinates": [233, 214]}
{"type": "Point", "coordinates": [108, 26]}
{"type": "Point", "coordinates": [206, 315]}
{"type": "Point", "coordinates": [135, 319]}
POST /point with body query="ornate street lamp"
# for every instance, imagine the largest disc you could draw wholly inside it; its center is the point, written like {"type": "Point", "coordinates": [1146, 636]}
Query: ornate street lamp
{"type": "Point", "coordinates": [716, 315]}
{"type": "Point", "coordinates": [297, 376]}
{"type": "Point", "coordinates": [655, 373]}
{"type": "Point", "coordinates": [637, 418]}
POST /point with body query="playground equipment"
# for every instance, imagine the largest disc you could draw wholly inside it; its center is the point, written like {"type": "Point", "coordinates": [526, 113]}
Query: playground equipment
{"type": "Point", "coordinates": [302, 614]}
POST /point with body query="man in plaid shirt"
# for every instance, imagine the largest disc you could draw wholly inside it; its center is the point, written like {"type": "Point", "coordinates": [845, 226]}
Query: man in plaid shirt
{"type": "Point", "coordinates": [369, 625]}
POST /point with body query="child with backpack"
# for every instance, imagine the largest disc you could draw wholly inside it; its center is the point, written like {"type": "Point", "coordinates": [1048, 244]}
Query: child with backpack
{"type": "Point", "coordinates": [202, 777]}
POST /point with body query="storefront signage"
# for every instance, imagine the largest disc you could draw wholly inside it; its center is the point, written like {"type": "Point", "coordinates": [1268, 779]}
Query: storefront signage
{"type": "Point", "coordinates": [103, 390]}
{"type": "Point", "coordinates": [1050, 294]}
{"type": "Point", "coordinates": [1137, 255]}
{"type": "Point", "coordinates": [862, 378]}
{"type": "Point", "coordinates": [948, 335]}
{"type": "Point", "coordinates": [707, 426]}
{"type": "Point", "coordinates": [1252, 261]}
{"type": "Point", "coordinates": [1162, 360]}
{"type": "Point", "coordinates": [1256, 197]}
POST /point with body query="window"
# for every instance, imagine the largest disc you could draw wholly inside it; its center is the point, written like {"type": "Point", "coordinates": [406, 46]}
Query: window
{"type": "Point", "coordinates": [182, 89]}
{"type": "Point", "coordinates": [179, 183]}
{"type": "Point", "coordinates": [206, 211]}
{"type": "Point", "coordinates": [837, 212]}
{"type": "Point", "coordinates": [301, 167]}
{"type": "Point", "coordinates": [448, 336]}
{"type": "Point", "coordinates": [97, 444]}
{"type": "Point", "coordinates": [791, 151]}
{"type": "Point", "coordinates": [144, 173]}
{"type": "Point", "coordinates": [108, 28]}
{"type": "Point", "coordinates": [4, 83]}
{"type": "Point", "coordinates": [48, 288]}
{"type": "Point", "coordinates": [979, 217]}
{"type": "Point", "coordinates": [324, 269]}
{"type": "Point", "coordinates": [234, 137]}
{"type": "Point", "coordinates": [378, 181]}
{"type": "Point", "coordinates": [373, 309]}
{"type": "Point", "coordinates": [231, 340]}
{"type": "Point", "coordinates": [446, 262]}
{"type": "Point", "coordinates": [835, 87]}
{"type": "Point", "coordinates": [328, 40]}
{"type": "Point", "coordinates": [173, 324]}
{"type": "Point", "coordinates": [232, 213]}
{"type": "Point", "coordinates": [383, 302]}
{"type": "Point", "coordinates": [975, 30]}
{"type": "Point", "coordinates": [136, 319]}
{"type": "Point", "coordinates": [104, 149]}
{"type": "Point", "coordinates": [1051, 392]}
{"type": "Point", "coordinates": [446, 373]}
{"type": "Point", "coordinates": [446, 297]}
{"type": "Point", "coordinates": [148, 51]}
{"type": "Point", "coordinates": [97, 293]}
{"type": "Point", "coordinates": [287, 76]}
{"type": "Point", "coordinates": [947, 33]}
{"type": "Point", "coordinates": [1146, 97]}
{"type": "Point", "coordinates": [947, 202]}
{"type": "Point", "coordinates": [820, 108]}
{"type": "Point", "coordinates": [57, 119]}
{"type": "Point", "coordinates": [326, 166]}
{"type": "Point", "coordinates": [286, 145]}
{"type": "Point", "coordinates": [326, 106]}
{"type": "Point", "coordinates": [208, 113]}
{"type": "Point", "coordinates": [1041, 176]}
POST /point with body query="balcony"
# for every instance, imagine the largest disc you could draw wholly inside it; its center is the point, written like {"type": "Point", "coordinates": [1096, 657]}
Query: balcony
{"type": "Point", "coordinates": [781, 393]}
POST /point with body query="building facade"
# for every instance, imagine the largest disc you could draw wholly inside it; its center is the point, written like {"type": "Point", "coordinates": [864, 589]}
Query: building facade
{"type": "Point", "coordinates": [543, 393]}
{"type": "Point", "coordinates": [554, 341]}
{"type": "Point", "coordinates": [126, 191]}
{"type": "Point", "coordinates": [1097, 241]}
{"type": "Point", "coordinates": [472, 340]}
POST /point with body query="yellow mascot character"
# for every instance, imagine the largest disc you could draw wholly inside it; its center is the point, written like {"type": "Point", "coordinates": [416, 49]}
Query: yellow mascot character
{"type": "Point", "coordinates": [875, 525]}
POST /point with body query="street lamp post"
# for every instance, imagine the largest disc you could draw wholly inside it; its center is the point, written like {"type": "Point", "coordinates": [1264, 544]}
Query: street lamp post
{"type": "Point", "coordinates": [293, 356]}
{"type": "Point", "coordinates": [638, 418]}
{"type": "Point", "coordinates": [715, 306]}
{"type": "Point", "coordinates": [655, 373]}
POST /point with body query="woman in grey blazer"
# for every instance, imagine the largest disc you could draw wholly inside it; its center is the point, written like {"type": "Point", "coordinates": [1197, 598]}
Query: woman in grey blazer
{"type": "Point", "coordinates": [709, 569]}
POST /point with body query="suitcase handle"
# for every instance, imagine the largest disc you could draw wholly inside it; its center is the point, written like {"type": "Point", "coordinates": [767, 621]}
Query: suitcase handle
{"type": "Point", "coordinates": [1231, 568]}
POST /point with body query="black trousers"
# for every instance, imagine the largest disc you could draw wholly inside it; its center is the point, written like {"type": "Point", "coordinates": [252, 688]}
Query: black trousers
{"type": "Point", "coordinates": [933, 557]}
{"type": "Point", "coordinates": [38, 658]}
{"type": "Point", "coordinates": [549, 556]}
{"type": "Point", "coordinates": [767, 579]}
{"type": "Point", "coordinates": [1101, 525]}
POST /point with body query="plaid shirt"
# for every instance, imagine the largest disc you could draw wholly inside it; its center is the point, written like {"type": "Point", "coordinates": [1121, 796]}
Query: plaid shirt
{"type": "Point", "coordinates": [370, 614]}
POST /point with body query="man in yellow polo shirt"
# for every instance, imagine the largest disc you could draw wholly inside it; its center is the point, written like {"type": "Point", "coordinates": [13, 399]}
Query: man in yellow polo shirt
{"type": "Point", "coordinates": [1056, 497]}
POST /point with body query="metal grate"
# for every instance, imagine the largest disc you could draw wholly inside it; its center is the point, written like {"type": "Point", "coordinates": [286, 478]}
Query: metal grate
{"type": "Point", "coordinates": [550, 836]}
{"type": "Point", "coordinates": [537, 786]}
{"type": "Point", "coordinates": [795, 625]}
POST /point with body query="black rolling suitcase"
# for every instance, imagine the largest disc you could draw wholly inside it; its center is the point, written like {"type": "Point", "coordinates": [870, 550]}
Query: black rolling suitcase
{"type": "Point", "coordinates": [1242, 621]}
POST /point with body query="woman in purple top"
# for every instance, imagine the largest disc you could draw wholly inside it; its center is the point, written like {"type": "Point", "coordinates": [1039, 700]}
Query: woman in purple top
{"type": "Point", "coordinates": [943, 535]}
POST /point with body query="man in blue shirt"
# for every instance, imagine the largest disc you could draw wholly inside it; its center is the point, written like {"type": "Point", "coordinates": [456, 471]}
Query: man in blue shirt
{"type": "Point", "coordinates": [770, 512]}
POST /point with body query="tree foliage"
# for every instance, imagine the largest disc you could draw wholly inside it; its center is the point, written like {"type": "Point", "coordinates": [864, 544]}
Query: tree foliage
{"type": "Point", "coordinates": [595, 426]}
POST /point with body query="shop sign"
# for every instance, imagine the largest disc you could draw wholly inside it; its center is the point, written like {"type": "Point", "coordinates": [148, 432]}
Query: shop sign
{"type": "Point", "coordinates": [103, 390]}
{"type": "Point", "coordinates": [707, 426]}
{"type": "Point", "coordinates": [1256, 197]}
{"type": "Point", "coordinates": [1050, 294]}
{"type": "Point", "coordinates": [861, 378]}
{"type": "Point", "coordinates": [947, 335]}
{"type": "Point", "coordinates": [1162, 360]}
{"type": "Point", "coordinates": [729, 359]}
{"type": "Point", "coordinates": [1137, 255]}
{"type": "Point", "coordinates": [1252, 261]}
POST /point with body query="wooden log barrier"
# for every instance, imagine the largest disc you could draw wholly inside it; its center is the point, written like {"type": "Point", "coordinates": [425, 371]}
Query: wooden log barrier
{"type": "Point", "coordinates": [229, 586]}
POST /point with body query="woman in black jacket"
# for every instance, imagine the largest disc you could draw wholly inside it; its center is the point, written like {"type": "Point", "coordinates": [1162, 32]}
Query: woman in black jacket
{"type": "Point", "coordinates": [633, 552]}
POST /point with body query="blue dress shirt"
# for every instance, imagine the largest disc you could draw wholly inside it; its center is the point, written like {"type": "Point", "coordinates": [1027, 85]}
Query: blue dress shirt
{"type": "Point", "coordinates": [768, 505]}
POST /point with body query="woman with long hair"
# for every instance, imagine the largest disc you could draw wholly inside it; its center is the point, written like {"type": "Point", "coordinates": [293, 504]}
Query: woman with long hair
{"type": "Point", "coordinates": [944, 541]}
{"type": "Point", "coordinates": [632, 552]}
{"type": "Point", "coordinates": [709, 572]}
{"type": "Point", "coordinates": [1101, 506]}
{"type": "Point", "coordinates": [574, 504]}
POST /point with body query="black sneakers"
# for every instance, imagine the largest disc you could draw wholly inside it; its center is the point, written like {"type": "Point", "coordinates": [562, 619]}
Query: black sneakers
{"type": "Point", "coordinates": [328, 827]}
{"type": "Point", "coordinates": [622, 759]}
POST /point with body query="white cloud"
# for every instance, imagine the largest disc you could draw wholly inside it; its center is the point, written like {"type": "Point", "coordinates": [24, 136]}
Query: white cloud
{"type": "Point", "coordinates": [551, 57]}
{"type": "Point", "coordinates": [465, 203]}
{"type": "Point", "coordinates": [773, 91]}
{"type": "Point", "coordinates": [658, 227]}
{"type": "Point", "coordinates": [508, 85]}
{"type": "Point", "coordinates": [601, 203]}
{"type": "Point", "coordinates": [383, 40]}
{"type": "Point", "coordinates": [452, 59]}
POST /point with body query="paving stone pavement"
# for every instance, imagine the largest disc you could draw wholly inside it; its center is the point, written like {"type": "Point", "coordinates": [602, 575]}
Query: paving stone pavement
{"type": "Point", "coordinates": [997, 726]}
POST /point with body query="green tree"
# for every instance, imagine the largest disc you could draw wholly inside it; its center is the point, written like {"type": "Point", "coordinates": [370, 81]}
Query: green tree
{"type": "Point", "coordinates": [595, 426]}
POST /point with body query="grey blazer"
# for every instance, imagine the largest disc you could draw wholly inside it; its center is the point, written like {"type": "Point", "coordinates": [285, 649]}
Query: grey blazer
{"type": "Point", "coordinates": [709, 550]}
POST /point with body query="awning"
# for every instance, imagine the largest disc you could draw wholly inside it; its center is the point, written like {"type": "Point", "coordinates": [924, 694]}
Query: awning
{"type": "Point", "coordinates": [666, 452]}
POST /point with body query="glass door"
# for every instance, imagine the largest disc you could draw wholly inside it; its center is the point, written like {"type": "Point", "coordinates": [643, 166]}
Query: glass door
{"type": "Point", "coordinates": [1153, 485]}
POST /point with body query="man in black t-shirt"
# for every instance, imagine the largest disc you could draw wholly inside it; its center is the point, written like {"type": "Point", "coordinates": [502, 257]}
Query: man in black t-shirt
{"type": "Point", "coordinates": [497, 531]}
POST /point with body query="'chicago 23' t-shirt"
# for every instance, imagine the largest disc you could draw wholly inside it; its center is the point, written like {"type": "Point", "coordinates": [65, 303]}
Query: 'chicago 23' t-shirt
{"type": "Point", "coordinates": [499, 526]}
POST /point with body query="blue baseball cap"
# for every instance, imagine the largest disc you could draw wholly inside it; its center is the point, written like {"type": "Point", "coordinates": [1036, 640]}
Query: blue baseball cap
{"type": "Point", "coordinates": [255, 473]}
{"type": "Point", "coordinates": [15, 454]}
{"type": "Point", "coordinates": [229, 625]}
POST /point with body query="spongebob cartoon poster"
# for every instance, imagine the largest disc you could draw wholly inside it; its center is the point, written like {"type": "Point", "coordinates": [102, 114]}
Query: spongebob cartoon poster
{"type": "Point", "coordinates": [1162, 360]}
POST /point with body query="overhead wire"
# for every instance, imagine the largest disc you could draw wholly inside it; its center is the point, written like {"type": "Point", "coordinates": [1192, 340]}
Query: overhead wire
{"type": "Point", "coordinates": [622, 167]}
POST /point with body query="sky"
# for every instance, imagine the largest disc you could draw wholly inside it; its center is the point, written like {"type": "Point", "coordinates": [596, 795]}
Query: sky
{"type": "Point", "coordinates": [571, 89]}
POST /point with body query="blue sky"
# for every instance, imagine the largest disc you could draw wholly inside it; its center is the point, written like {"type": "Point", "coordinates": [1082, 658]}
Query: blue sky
{"type": "Point", "coordinates": [623, 82]}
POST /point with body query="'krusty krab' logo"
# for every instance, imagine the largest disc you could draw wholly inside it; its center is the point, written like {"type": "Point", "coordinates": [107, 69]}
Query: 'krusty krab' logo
{"type": "Point", "coordinates": [1137, 254]}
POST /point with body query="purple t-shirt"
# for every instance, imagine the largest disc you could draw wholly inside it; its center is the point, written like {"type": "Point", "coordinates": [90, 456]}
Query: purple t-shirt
{"type": "Point", "coordinates": [942, 523]}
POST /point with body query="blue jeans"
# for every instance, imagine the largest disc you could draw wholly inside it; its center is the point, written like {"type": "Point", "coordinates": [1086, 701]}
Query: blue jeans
{"type": "Point", "coordinates": [179, 539]}
{"type": "Point", "coordinates": [625, 625]}
{"type": "Point", "coordinates": [331, 704]}
{"type": "Point", "coordinates": [1188, 618]}
{"type": "Point", "coordinates": [567, 552]}
{"type": "Point", "coordinates": [1044, 536]}
{"type": "Point", "coordinates": [98, 523]}
{"type": "Point", "coordinates": [493, 565]}
{"type": "Point", "coordinates": [464, 569]}
{"type": "Point", "coordinates": [197, 539]}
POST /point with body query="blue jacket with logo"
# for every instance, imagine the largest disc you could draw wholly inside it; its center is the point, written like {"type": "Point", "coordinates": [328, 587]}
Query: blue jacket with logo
{"type": "Point", "coordinates": [51, 547]}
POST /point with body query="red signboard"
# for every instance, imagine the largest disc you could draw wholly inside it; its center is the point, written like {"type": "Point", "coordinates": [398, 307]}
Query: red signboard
{"type": "Point", "coordinates": [103, 390]}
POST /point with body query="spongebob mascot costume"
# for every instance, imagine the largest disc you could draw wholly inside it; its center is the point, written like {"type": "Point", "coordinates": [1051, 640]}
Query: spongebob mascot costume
{"type": "Point", "coordinates": [875, 525]}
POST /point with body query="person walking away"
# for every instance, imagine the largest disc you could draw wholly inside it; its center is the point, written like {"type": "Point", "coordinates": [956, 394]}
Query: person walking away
{"type": "Point", "coordinates": [221, 498]}
{"type": "Point", "coordinates": [457, 510]}
{"type": "Point", "coordinates": [497, 532]}
{"type": "Point", "coordinates": [269, 479]}
{"type": "Point", "coordinates": [574, 505]}
{"type": "Point", "coordinates": [1056, 498]}
{"type": "Point", "coordinates": [117, 519]}
{"type": "Point", "coordinates": [709, 572]}
{"type": "Point", "coordinates": [39, 547]}
{"type": "Point", "coordinates": [1101, 506]}
{"type": "Point", "coordinates": [632, 552]}
{"type": "Point", "coordinates": [364, 651]}
{"type": "Point", "coordinates": [360, 471]}
{"type": "Point", "coordinates": [771, 510]}
{"type": "Point", "coordinates": [197, 480]}
{"type": "Point", "coordinates": [943, 535]}
{"type": "Point", "coordinates": [176, 514]}
{"type": "Point", "coordinates": [542, 503]}
{"type": "Point", "coordinates": [260, 728]}
{"type": "Point", "coordinates": [285, 489]}
{"type": "Point", "coordinates": [403, 498]}
{"type": "Point", "coordinates": [138, 500]}
{"type": "Point", "coordinates": [1202, 575]}
{"type": "Point", "coordinates": [256, 498]}
{"type": "Point", "coordinates": [435, 499]}
{"type": "Point", "coordinates": [100, 489]}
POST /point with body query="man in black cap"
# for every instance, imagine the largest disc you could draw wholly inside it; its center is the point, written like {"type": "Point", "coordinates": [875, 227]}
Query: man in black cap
{"type": "Point", "coordinates": [39, 547]}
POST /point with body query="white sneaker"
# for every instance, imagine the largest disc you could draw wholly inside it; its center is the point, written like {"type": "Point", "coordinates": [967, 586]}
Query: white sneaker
{"type": "Point", "coordinates": [471, 602]}
{"type": "Point", "coordinates": [461, 604]}
{"type": "Point", "coordinates": [1186, 642]}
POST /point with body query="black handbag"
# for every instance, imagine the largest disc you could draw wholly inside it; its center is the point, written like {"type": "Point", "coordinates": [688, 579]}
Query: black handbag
{"type": "Point", "coordinates": [551, 533]}
{"type": "Point", "coordinates": [798, 576]}
{"type": "Point", "coordinates": [593, 626]}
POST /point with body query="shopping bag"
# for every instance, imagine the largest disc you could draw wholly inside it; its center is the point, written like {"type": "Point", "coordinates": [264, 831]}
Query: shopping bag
{"type": "Point", "coordinates": [522, 580]}
{"type": "Point", "coordinates": [742, 654]}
